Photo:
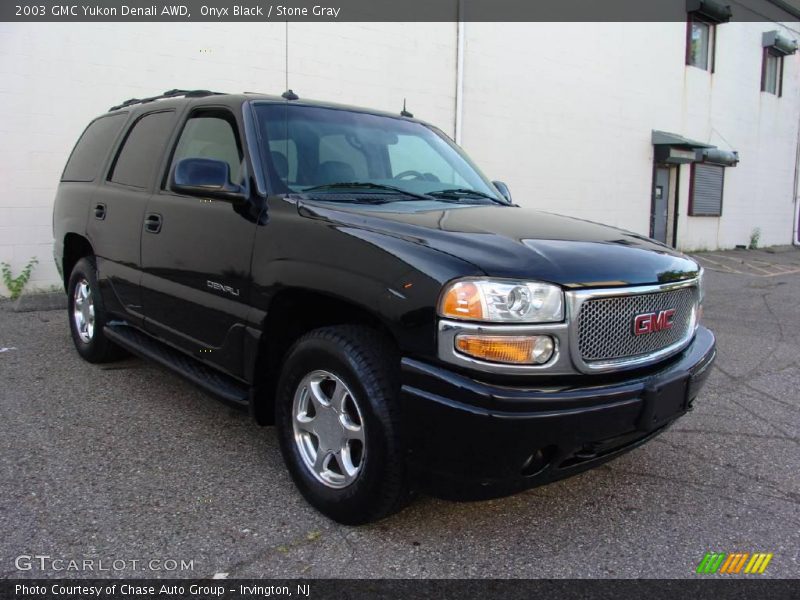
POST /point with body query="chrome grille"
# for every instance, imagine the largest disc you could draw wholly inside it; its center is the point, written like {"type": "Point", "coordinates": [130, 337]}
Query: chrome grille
{"type": "Point", "coordinates": [605, 325]}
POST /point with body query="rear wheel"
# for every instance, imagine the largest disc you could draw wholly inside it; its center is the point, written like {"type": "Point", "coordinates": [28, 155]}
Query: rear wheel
{"type": "Point", "coordinates": [338, 423]}
{"type": "Point", "coordinates": [87, 315]}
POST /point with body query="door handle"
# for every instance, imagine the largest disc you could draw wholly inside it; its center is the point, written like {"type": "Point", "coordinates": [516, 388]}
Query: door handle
{"type": "Point", "coordinates": [152, 223]}
{"type": "Point", "coordinates": [100, 211]}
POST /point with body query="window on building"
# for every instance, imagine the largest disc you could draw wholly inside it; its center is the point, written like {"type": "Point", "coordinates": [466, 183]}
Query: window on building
{"type": "Point", "coordinates": [700, 42]}
{"type": "Point", "coordinates": [705, 195]}
{"type": "Point", "coordinates": [138, 159]}
{"type": "Point", "coordinates": [211, 136]}
{"type": "Point", "coordinates": [703, 16]}
{"type": "Point", "coordinates": [772, 72]}
{"type": "Point", "coordinates": [92, 148]}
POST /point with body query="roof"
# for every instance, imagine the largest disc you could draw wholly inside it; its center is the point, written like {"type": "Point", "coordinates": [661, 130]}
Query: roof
{"type": "Point", "coordinates": [179, 97]}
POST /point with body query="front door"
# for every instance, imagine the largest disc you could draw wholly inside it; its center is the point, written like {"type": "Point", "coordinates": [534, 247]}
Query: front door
{"type": "Point", "coordinates": [658, 218]}
{"type": "Point", "coordinates": [196, 252]}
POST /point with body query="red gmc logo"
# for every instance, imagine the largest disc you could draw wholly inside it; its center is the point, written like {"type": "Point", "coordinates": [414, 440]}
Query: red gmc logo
{"type": "Point", "coordinates": [652, 322]}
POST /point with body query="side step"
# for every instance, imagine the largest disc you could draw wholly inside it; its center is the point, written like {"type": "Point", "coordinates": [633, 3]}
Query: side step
{"type": "Point", "coordinates": [215, 383]}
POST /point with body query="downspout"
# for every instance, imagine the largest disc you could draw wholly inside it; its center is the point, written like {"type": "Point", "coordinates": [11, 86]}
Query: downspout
{"type": "Point", "coordinates": [459, 72]}
{"type": "Point", "coordinates": [796, 219]}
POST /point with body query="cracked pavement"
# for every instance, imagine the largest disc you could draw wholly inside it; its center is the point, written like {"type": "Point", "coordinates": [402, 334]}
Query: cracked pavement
{"type": "Point", "coordinates": [128, 462]}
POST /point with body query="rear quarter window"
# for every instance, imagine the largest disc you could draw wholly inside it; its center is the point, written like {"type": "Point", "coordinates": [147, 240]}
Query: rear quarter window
{"type": "Point", "coordinates": [92, 148]}
{"type": "Point", "coordinates": [143, 149]}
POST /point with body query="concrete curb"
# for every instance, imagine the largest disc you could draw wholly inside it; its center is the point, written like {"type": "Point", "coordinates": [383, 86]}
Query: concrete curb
{"type": "Point", "coordinates": [36, 302]}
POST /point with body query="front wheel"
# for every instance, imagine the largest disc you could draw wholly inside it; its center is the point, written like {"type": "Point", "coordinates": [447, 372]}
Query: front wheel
{"type": "Point", "coordinates": [339, 426]}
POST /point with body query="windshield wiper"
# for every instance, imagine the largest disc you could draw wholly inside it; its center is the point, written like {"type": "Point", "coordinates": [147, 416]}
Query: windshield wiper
{"type": "Point", "coordinates": [463, 193]}
{"type": "Point", "coordinates": [366, 185]}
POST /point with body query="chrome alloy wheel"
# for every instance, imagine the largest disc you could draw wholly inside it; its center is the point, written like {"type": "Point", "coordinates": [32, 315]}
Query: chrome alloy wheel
{"type": "Point", "coordinates": [328, 429]}
{"type": "Point", "coordinates": [83, 311]}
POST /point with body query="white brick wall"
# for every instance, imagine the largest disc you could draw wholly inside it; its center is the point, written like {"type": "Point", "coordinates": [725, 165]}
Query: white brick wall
{"type": "Point", "coordinates": [562, 112]}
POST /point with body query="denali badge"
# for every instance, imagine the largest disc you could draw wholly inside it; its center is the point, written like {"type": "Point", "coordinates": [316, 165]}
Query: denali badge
{"type": "Point", "coordinates": [222, 288]}
{"type": "Point", "coordinates": [652, 322]}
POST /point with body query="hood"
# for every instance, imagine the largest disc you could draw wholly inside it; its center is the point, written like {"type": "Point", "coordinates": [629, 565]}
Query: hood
{"type": "Point", "coordinates": [521, 243]}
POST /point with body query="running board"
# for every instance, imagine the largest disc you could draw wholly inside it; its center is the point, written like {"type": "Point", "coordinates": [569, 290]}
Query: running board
{"type": "Point", "coordinates": [215, 383]}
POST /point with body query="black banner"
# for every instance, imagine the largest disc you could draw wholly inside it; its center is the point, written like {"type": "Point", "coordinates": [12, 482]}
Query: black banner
{"type": "Point", "coordinates": [320, 589]}
{"type": "Point", "coordinates": [379, 10]}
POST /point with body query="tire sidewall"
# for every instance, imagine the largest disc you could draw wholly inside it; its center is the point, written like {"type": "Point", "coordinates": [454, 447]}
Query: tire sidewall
{"type": "Point", "coordinates": [347, 503]}
{"type": "Point", "coordinates": [93, 349]}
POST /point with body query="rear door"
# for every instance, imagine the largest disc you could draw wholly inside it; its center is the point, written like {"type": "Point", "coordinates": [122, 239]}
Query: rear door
{"type": "Point", "coordinates": [117, 210]}
{"type": "Point", "coordinates": [196, 262]}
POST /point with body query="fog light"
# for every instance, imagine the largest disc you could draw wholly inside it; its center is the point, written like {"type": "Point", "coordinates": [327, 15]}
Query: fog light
{"type": "Point", "coordinates": [508, 349]}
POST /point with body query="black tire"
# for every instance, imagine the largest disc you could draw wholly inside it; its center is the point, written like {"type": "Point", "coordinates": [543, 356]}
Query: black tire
{"type": "Point", "coordinates": [366, 362]}
{"type": "Point", "coordinates": [97, 349]}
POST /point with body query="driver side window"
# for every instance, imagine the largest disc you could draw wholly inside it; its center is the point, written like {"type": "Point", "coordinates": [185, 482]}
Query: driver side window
{"type": "Point", "coordinates": [212, 137]}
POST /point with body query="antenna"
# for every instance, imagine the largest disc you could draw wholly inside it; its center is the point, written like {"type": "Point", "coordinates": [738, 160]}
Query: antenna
{"type": "Point", "coordinates": [404, 112]}
{"type": "Point", "coordinates": [290, 95]}
{"type": "Point", "coordinates": [287, 54]}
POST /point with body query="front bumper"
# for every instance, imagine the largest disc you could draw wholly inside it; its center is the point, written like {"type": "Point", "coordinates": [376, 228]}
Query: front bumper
{"type": "Point", "coordinates": [470, 439]}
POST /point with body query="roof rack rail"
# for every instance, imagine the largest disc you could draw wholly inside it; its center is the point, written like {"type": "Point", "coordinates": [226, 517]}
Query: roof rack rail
{"type": "Point", "coordinates": [168, 94]}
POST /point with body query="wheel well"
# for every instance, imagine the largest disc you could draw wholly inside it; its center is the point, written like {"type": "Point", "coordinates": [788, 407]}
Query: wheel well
{"type": "Point", "coordinates": [75, 248]}
{"type": "Point", "coordinates": [293, 313]}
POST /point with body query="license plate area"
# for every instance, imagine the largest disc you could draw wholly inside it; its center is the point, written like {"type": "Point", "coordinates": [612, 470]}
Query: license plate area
{"type": "Point", "coordinates": [663, 401]}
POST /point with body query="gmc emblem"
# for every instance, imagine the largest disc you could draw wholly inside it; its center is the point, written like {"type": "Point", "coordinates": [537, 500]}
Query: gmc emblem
{"type": "Point", "coordinates": [652, 322]}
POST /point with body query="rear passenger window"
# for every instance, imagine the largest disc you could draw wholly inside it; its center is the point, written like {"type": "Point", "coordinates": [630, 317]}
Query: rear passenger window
{"type": "Point", "coordinates": [211, 137]}
{"type": "Point", "coordinates": [92, 148]}
{"type": "Point", "coordinates": [143, 148]}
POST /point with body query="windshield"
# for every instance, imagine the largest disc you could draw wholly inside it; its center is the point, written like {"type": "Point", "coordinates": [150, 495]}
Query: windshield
{"type": "Point", "coordinates": [336, 154]}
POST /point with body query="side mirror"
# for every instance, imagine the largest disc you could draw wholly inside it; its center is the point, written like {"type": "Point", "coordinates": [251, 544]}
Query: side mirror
{"type": "Point", "coordinates": [207, 178]}
{"type": "Point", "coordinates": [504, 191]}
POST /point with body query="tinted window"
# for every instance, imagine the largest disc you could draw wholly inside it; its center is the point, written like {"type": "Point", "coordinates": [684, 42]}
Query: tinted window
{"type": "Point", "coordinates": [137, 161]}
{"type": "Point", "coordinates": [210, 137]}
{"type": "Point", "coordinates": [283, 154]}
{"type": "Point", "coordinates": [92, 148]}
{"type": "Point", "coordinates": [344, 149]}
{"type": "Point", "coordinates": [310, 147]}
{"type": "Point", "coordinates": [412, 154]}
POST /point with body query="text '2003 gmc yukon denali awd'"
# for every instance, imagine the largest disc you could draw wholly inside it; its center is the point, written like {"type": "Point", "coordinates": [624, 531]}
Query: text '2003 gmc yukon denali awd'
{"type": "Point", "coordinates": [350, 276]}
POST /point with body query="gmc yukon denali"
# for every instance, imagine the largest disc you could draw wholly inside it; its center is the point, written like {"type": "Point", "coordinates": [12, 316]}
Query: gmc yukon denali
{"type": "Point", "coordinates": [351, 277]}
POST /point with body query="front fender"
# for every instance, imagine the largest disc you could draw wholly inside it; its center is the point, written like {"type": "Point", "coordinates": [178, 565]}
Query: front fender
{"type": "Point", "coordinates": [395, 279]}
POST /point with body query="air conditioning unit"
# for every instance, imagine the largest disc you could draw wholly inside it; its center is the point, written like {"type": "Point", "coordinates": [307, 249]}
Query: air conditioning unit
{"type": "Point", "coordinates": [712, 12]}
{"type": "Point", "coordinates": [717, 156]}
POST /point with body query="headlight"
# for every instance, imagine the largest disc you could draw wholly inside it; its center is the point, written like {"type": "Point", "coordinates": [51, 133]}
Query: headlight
{"type": "Point", "coordinates": [502, 301]}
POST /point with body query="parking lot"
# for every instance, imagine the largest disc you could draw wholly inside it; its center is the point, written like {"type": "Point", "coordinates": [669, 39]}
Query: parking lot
{"type": "Point", "coordinates": [129, 462]}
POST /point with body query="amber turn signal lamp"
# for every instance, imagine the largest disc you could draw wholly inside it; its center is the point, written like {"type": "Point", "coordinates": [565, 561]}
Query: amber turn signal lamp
{"type": "Point", "coordinates": [462, 301]}
{"type": "Point", "coordinates": [508, 349]}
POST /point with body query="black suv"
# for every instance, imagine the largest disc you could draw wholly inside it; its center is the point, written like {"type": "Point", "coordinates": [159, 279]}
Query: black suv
{"type": "Point", "coordinates": [351, 277]}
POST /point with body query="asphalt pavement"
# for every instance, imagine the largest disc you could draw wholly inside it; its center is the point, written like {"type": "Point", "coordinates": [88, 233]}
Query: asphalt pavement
{"type": "Point", "coordinates": [128, 462]}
